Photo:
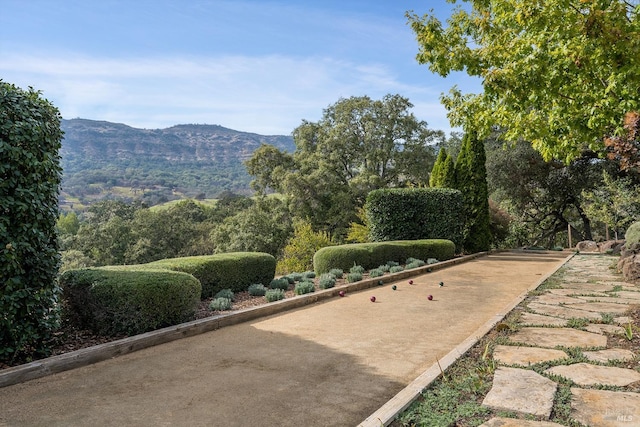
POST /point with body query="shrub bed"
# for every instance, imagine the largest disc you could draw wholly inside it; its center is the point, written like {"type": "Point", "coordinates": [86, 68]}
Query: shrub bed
{"type": "Point", "coordinates": [112, 301]}
{"type": "Point", "coordinates": [371, 255]}
{"type": "Point", "coordinates": [235, 270]}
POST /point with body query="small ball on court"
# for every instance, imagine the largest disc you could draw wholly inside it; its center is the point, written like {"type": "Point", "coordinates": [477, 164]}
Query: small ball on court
{"type": "Point", "coordinates": [394, 287]}
{"type": "Point", "coordinates": [341, 293]}
{"type": "Point", "coordinates": [411, 282]}
{"type": "Point", "coordinates": [372, 299]}
{"type": "Point", "coordinates": [441, 284]}
{"type": "Point", "coordinates": [430, 297]}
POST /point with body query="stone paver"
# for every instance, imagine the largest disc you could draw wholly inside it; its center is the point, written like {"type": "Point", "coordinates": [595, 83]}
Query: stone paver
{"type": "Point", "coordinates": [602, 328]}
{"type": "Point", "coordinates": [522, 391]}
{"type": "Point", "coordinates": [556, 299]}
{"type": "Point", "coordinates": [586, 374]}
{"type": "Point", "coordinates": [575, 292]}
{"type": "Point", "coordinates": [553, 337]}
{"type": "Point", "coordinates": [604, 408]}
{"type": "Point", "coordinates": [588, 287]}
{"type": "Point", "coordinates": [564, 312]}
{"type": "Point", "coordinates": [512, 422]}
{"type": "Point", "coordinates": [609, 354]}
{"type": "Point", "coordinates": [602, 307]}
{"type": "Point", "coordinates": [629, 294]}
{"type": "Point", "coordinates": [532, 319]}
{"type": "Point", "coordinates": [514, 355]}
{"type": "Point", "coordinates": [610, 299]}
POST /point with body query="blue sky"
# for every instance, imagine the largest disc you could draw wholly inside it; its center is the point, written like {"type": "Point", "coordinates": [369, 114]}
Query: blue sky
{"type": "Point", "coordinates": [255, 66]}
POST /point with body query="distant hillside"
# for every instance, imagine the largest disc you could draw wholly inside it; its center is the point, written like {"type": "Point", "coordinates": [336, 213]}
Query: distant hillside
{"type": "Point", "coordinates": [102, 159]}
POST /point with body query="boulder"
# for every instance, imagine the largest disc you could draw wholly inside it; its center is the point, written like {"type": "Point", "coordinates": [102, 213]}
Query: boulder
{"type": "Point", "coordinates": [614, 247]}
{"type": "Point", "coordinates": [630, 267]}
{"type": "Point", "coordinates": [587, 246]}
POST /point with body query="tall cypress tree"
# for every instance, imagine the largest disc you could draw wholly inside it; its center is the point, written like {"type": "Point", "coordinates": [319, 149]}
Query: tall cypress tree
{"type": "Point", "coordinates": [448, 173]}
{"type": "Point", "coordinates": [471, 180]}
{"type": "Point", "coordinates": [436, 177]}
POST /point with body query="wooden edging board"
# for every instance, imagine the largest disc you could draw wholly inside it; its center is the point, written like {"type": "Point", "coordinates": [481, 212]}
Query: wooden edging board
{"type": "Point", "coordinates": [90, 355]}
{"type": "Point", "coordinates": [405, 397]}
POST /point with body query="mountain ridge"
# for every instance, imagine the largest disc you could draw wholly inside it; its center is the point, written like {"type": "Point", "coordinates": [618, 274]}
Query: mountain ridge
{"type": "Point", "coordinates": [183, 160]}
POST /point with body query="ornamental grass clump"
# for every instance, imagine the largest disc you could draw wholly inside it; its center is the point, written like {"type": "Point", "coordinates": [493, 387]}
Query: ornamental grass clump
{"type": "Point", "coordinates": [337, 272]}
{"type": "Point", "coordinates": [357, 269]}
{"type": "Point", "coordinates": [225, 293]}
{"type": "Point", "coordinates": [294, 277]}
{"type": "Point", "coordinates": [396, 269]}
{"type": "Point", "coordinates": [220, 304]}
{"type": "Point", "coordinates": [281, 283]}
{"type": "Point", "coordinates": [304, 287]}
{"type": "Point", "coordinates": [354, 277]}
{"type": "Point", "coordinates": [384, 268]}
{"type": "Point", "coordinates": [257, 290]}
{"type": "Point", "coordinates": [274, 295]}
{"type": "Point", "coordinates": [414, 264]}
{"type": "Point", "coordinates": [392, 264]}
{"type": "Point", "coordinates": [432, 261]}
{"type": "Point", "coordinates": [309, 275]}
{"type": "Point", "coordinates": [326, 281]}
{"type": "Point", "coordinates": [376, 272]}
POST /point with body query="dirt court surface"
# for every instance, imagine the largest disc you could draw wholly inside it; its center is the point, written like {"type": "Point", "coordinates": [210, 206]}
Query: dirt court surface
{"type": "Point", "coordinates": [329, 364]}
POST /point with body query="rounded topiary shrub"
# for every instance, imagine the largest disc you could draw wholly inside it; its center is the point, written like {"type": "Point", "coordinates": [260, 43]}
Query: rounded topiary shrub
{"type": "Point", "coordinates": [112, 301]}
{"type": "Point", "coordinates": [234, 270]}
{"type": "Point", "coordinates": [225, 293]}
{"type": "Point", "coordinates": [632, 236]}
{"type": "Point", "coordinates": [326, 281]}
{"type": "Point", "coordinates": [280, 283]}
{"type": "Point", "coordinates": [257, 290]}
{"type": "Point", "coordinates": [304, 287]}
{"type": "Point", "coordinates": [30, 138]}
{"type": "Point", "coordinates": [221, 304]}
{"type": "Point", "coordinates": [274, 295]}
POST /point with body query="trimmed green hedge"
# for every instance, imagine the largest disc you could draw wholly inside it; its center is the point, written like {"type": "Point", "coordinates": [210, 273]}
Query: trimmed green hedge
{"type": "Point", "coordinates": [371, 255]}
{"type": "Point", "coordinates": [115, 301]}
{"type": "Point", "coordinates": [415, 213]}
{"type": "Point", "coordinates": [234, 270]}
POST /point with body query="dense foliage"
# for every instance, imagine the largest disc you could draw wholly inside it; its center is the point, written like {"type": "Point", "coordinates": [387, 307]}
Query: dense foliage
{"type": "Point", "coordinates": [116, 301]}
{"type": "Point", "coordinates": [359, 145]}
{"type": "Point", "coordinates": [235, 271]}
{"type": "Point", "coordinates": [372, 255]}
{"type": "Point", "coordinates": [560, 74]}
{"type": "Point", "coordinates": [415, 213]}
{"type": "Point", "coordinates": [30, 138]}
{"type": "Point", "coordinates": [471, 180]}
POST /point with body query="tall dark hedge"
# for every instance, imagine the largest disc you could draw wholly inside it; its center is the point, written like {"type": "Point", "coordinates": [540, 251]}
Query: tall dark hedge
{"type": "Point", "coordinates": [471, 180]}
{"type": "Point", "coordinates": [415, 213]}
{"type": "Point", "coordinates": [30, 173]}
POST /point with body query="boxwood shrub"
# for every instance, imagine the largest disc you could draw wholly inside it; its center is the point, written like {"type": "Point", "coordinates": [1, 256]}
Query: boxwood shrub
{"type": "Point", "coordinates": [372, 255]}
{"type": "Point", "coordinates": [113, 301]}
{"type": "Point", "coordinates": [235, 270]}
{"type": "Point", "coordinates": [415, 213]}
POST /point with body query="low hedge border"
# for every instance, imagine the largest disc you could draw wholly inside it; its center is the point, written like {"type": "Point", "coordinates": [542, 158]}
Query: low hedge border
{"type": "Point", "coordinates": [371, 255]}
{"type": "Point", "coordinates": [234, 270]}
{"type": "Point", "coordinates": [114, 301]}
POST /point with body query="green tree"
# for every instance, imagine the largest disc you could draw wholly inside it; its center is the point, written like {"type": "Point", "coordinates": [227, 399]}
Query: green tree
{"type": "Point", "coordinates": [616, 202]}
{"type": "Point", "coordinates": [448, 173]}
{"type": "Point", "coordinates": [436, 177]}
{"type": "Point", "coordinates": [298, 253]}
{"type": "Point", "coordinates": [263, 227]}
{"type": "Point", "coordinates": [542, 197]}
{"type": "Point", "coordinates": [359, 145]}
{"type": "Point", "coordinates": [471, 180]}
{"type": "Point", "coordinates": [30, 173]}
{"type": "Point", "coordinates": [560, 74]}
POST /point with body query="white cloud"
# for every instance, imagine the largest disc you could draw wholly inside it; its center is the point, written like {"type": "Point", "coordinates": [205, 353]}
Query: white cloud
{"type": "Point", "coordinates": [267, 94]}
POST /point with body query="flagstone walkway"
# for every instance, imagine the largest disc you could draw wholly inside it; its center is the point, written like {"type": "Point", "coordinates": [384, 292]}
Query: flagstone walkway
{"type": "Point", "coordinates": [596, 299]}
